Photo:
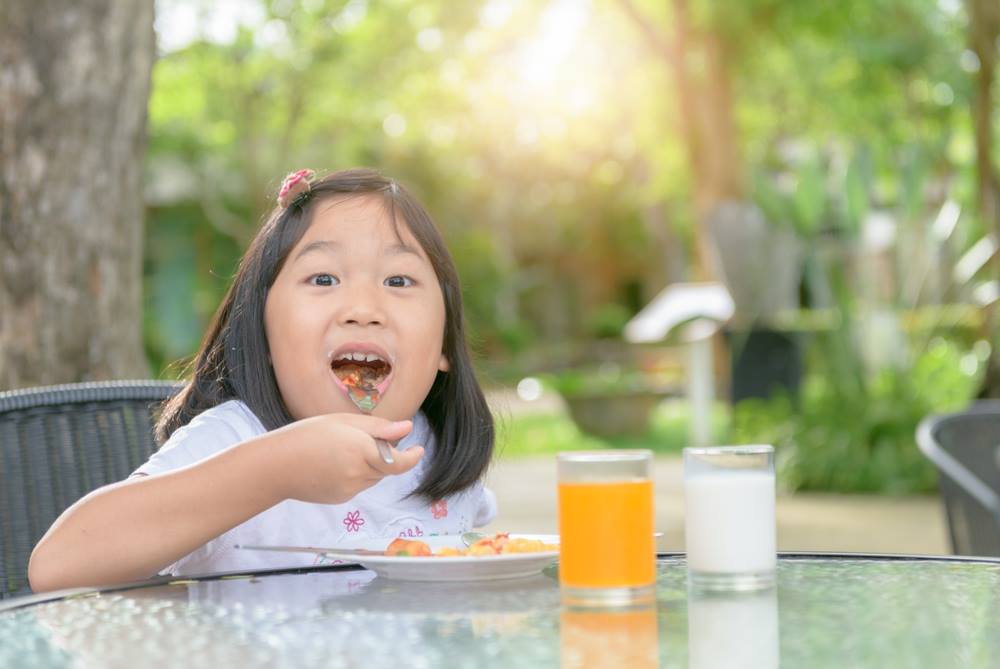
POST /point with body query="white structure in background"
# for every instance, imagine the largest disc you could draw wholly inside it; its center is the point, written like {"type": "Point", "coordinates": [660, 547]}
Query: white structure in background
{"type": "Point", "coordinates": [970, 264]}
{"type": "Point", "coordinates": [698, 309]}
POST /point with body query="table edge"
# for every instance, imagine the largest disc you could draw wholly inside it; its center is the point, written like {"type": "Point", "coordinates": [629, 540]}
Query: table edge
{"type": "Point", "coordinates": [73, 593]}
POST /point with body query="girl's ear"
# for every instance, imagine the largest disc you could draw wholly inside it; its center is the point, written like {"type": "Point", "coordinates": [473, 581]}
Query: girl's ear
{"type": "Point", "coordinates": [443, 365]}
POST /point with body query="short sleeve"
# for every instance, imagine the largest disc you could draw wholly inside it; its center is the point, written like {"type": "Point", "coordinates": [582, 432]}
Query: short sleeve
{"type": "Point", "coordinates": [208, 433]}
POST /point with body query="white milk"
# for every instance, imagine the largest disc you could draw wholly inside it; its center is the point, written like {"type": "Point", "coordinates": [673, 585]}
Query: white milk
{"type": "Point", "coordinates": [729, 525]}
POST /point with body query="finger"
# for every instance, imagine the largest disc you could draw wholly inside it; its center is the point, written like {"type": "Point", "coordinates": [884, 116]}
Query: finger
{"type": "Point", "coordinates": [379, 428]}
{"type": "Point", "coordinates": [402, 461]}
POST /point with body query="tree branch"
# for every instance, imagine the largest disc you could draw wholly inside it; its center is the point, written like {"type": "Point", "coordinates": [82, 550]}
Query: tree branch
{"type": "Point", "coordinates": [656, 40]}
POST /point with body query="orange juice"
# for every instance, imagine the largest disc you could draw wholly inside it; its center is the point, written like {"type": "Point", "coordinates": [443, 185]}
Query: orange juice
{"type": "Point", "coordinates": [606, 534]}
{"type": "Point", "coordinates": [602, 639]}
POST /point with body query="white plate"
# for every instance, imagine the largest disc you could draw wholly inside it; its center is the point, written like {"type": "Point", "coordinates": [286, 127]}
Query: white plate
{"type": "Point", "coordinates": [459, 568]}
{"type": "Point", "coordinates": [462, 568]}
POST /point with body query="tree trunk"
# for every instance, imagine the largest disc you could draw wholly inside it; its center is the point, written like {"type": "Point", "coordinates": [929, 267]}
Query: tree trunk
{"type": "Point", "coordinates": [984, 31]}
{"type": "Point", "coordinates": [984, 26]}
{"type": "Point", "coordinates": [706, 122]}
{"type": "Point", "coordinates": [74, 85]}
{"type": "Point", "coordinates": [719, 179]}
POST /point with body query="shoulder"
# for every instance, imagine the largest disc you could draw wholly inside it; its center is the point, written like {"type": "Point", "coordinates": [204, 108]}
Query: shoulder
{"type": "Point", "coordinates": [232, 417]}
{"type": "Point", "coordinates": [209, 432]}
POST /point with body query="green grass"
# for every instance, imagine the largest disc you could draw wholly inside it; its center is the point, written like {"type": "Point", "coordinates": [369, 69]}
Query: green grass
{"type": "Point", "coordinates": [549, 433]}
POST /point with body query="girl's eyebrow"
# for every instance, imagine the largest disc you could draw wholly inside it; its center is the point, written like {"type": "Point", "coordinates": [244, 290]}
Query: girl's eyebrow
{"type": "Point", "coordinates": [321, 245]}
{"type": "Point", "coordinates": [401, 248]}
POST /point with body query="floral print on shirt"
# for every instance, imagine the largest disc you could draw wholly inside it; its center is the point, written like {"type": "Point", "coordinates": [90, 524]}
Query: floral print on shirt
{"type": "Point", "coordinates": [439, 509]}
{"type": "Point", "coordinates": [354, 521]}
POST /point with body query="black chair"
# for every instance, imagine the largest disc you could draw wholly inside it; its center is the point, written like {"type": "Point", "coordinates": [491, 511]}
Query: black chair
{"type": "Point", "coordinates": [57, 444]}
{"type": "Point", "coordinates": [965, 448]}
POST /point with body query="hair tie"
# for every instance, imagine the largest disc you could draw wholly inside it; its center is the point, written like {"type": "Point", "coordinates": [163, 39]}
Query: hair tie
{"type": "Point", "coordinates": [296, 185]}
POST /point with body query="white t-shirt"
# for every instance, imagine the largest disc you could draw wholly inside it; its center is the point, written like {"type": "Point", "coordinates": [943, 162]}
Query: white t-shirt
{"type": "Point", "coordinates": [379, 512]}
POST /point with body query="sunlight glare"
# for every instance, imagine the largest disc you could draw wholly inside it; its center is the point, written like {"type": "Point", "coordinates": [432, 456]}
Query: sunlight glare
{"type": "Point", "coordinates": [495, 13]}
{"type": "Point", "coordinates": [543, 58]}
{"type": "Point", "coordinates": [556, 71]}
{"type": "Point", "coordinates": [394, 125]}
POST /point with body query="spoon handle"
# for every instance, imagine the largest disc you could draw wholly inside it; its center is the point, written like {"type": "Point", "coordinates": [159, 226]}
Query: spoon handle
{"type": "Point", "coordinates": [385, 451]}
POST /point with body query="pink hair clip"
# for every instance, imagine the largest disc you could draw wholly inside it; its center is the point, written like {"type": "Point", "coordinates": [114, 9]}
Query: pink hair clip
{"type": "Point", "coordinates": [294, 186]}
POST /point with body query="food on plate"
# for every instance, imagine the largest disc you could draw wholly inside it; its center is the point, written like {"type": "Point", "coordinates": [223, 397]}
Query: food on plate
{"type": "Point", "coordinates": [499, 544]}
{"type": "Point", "coordinates": [408, 548]}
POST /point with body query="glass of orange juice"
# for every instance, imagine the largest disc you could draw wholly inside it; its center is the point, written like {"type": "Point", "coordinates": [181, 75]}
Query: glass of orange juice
{"type": "Point", "coordinates": [607, 554]}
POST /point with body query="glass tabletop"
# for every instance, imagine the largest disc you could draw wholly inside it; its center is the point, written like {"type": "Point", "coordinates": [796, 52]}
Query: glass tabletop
{"type": "Point", "coordinates": [826, 611]}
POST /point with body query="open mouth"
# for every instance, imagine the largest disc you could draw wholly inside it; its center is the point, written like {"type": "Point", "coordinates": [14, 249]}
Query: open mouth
{"type": "Point", "coordinates": [363, 376]}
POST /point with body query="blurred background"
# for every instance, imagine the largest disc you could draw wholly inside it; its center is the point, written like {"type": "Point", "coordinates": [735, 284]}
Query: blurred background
{"type": "Point", "coordinates": [829, 165]}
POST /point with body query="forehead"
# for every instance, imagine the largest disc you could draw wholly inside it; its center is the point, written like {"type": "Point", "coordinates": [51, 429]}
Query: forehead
{"type": "Point", "coordinates": [359, 217]}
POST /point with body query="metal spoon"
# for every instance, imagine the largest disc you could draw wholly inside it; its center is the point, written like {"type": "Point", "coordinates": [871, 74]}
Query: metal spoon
{"type": "Point", "coordinates": [385, 450]}
{"type": "Point", "coordinates": [469, 538]}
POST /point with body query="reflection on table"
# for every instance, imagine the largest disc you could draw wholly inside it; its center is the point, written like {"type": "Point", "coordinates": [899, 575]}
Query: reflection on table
{"type": "Point", "coordinates": [827, 611]}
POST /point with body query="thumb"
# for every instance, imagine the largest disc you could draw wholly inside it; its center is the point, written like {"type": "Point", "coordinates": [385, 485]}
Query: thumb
{"type": "Point", "coordinates": [393, 431]}
{"type": "Point", "coordinates": [403, 461]}
{"type": "Point", "coordinates": [377, 428]}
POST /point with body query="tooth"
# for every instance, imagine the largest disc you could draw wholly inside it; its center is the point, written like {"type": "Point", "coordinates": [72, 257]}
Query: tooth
{"type": "Point", "coordinates": [358, 357]}
{"type": "Point", "coordinates": [371, 357]}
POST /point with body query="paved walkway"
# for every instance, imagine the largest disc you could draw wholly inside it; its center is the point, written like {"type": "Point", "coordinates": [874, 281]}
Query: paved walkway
{"type": "Point", "coordinates": [526, 492]}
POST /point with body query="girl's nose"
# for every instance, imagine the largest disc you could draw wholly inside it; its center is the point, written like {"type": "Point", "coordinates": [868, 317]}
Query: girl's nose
{"type": "Point", "coordinates": [362, 307]}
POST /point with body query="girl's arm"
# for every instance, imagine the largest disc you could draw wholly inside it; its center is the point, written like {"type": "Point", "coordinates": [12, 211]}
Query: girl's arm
{"type": "Point", "coordinates": [130, 530]}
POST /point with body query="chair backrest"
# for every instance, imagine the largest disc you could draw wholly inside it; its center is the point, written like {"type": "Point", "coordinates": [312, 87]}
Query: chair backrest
{"type": "Point", "coordinates": [58, 443]}
{"type": "Point", "coordinates": [965, 448]}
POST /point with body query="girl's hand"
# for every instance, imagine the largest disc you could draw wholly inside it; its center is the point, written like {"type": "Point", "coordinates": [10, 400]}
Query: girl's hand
{"type": "Point", "coordinates": [329, 459]}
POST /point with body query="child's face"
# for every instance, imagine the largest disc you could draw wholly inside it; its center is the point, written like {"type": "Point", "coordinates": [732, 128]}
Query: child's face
{"type": "Point", "coordinates": [349, 287]}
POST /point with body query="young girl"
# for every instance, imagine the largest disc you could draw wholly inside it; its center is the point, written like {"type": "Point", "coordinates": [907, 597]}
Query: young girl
{"type": "Point", "coordinates": [341, 334]}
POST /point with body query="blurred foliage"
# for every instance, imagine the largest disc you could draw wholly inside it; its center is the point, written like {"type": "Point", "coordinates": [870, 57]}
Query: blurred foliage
{"type": "Point", "coordinates": [549, 433]}
{"type": "Point", "coordinates": [884, 355]}
{"type": "Point", "coordinates": [529, 172]}
{"type": "Point", "coordinates": [543, 136]}
{"type": "Point", "coordinates": [607, 321]}
{"type": "Point", "coordinates": [564, 198]}
{"type": "Point", "coordinates": [848, 439]}
{"type": "Point", "coordinates": [604, 380]}
{"type": "Point", "coordinates": [608, 379]}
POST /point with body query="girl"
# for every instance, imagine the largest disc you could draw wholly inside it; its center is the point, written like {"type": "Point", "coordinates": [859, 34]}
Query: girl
{"type": "Point", "coordinates": [341, 331]}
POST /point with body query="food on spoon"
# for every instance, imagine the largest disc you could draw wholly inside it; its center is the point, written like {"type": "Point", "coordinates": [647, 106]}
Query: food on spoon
{"type": "Point", "coordinates": [498, 544]}
{"type": "Point", "coordinates": [361, 375]}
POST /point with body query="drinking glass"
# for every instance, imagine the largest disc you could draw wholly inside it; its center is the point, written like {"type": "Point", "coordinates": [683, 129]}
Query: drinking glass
{"type": "Point", "coordinates": [607, 554]}
{"type": "Point", "coordinates": [729, 517]}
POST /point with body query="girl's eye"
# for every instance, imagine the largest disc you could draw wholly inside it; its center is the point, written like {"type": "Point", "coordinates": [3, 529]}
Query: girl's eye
{"type": "Point", "coordinates": [323, 280]}
{"type": "Point", "coordinates": [399, 281]}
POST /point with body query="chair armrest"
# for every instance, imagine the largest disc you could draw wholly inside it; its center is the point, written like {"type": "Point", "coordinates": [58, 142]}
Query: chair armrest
{"type": "Point", "coordinates": [954, 469]}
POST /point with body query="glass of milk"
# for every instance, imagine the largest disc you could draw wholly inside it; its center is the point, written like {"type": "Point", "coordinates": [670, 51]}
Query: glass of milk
{"type": "Point", "coordinates": [729, 517]}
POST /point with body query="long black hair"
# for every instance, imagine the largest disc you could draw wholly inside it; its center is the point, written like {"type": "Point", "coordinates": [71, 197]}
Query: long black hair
{"type": "Point", "coordinates": [232, 361]}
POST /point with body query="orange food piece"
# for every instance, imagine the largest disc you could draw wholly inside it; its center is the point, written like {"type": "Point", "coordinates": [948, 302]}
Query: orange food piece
{"type": "Point", "coordinates": [527, 546]}
{"type": "Point", "coordinates": [498, 544]}
{"type": "Point", "coordinates": [482, 549]}
{"type": "Point", "coordinates": [448, 551]}
{"type": "Point", "coordinates": [408, 548]}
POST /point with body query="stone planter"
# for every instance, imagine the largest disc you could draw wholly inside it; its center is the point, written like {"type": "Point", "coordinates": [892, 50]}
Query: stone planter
{"type": "Point", "coordinates": [617, 414]}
